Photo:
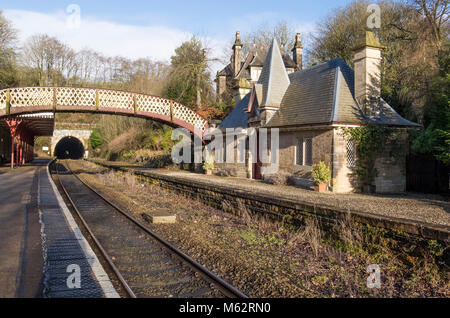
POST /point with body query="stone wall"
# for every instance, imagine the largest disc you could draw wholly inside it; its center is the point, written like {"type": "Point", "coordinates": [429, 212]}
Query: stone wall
{"type": "Point", "coordinates": [321, 149]}
{"type": "Point", "coordinates": [276, 207]}
{"type": "Point", "coordinates": [82, 135]}
{"type": "Point", "coordinates": [221, 88]}
{"type": "Point", "coordinates": [329, 146]}
{"type": "Point", "coordinates": [391, 166]}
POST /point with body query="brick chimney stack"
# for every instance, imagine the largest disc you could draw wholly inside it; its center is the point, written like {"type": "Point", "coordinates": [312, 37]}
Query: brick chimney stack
{"type": "Point", "coordinates": [237, 55]}
{"type": "Point", "coordinates": [297, 52]}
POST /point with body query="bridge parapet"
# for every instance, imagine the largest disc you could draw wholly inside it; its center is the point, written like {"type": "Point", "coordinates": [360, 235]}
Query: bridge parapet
{"type": "Point", "coordinates": [64, 99]}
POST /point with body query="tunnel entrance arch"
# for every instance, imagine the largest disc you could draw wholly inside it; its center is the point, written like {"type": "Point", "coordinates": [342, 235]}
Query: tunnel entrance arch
{"type": "Point", "coordinates": [69, 148]}
{"type": "Point", "coordinates": [82, 135]}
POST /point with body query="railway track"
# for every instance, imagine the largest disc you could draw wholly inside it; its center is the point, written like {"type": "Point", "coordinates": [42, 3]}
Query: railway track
{"type": "Point", "coordinates": [145, 264]}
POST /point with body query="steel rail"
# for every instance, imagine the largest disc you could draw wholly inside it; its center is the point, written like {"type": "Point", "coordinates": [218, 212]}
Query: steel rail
{"type": "Point", "coordinates": [227, 289]}
{"type": "Point", "coordinates": [116, 271]}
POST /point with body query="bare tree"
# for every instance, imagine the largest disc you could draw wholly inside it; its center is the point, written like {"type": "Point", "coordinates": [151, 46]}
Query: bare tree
{"type": "Point", "coordinates": [50, 58]}
{"type": "Point", "coordinates": [263, 36]}
{"type": "Point", "coordinates": [8, 76]}
{"type": "Point", "coordinates": [436, 13]}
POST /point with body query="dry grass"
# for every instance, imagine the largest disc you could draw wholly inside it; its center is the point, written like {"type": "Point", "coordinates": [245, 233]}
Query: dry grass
{"type": "Point", "coordinates": [124, 141]}
{"type": "Point", "coordinates": [274, 259]}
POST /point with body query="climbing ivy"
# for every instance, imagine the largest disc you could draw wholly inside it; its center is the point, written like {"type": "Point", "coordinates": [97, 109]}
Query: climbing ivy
{"type": "Point", "coordinates": [370, 141]}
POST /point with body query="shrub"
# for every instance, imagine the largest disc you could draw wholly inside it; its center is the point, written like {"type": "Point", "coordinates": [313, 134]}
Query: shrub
{"type": "Point", "coordinates": [370, 141]}
{"type": "Point", "coordinates": [160, 161]}
{"type": "Point", "coordinates": [157, 139]}
{"type": "Point", "coordinates": [321, 173]}
{"type": "Point", "coordinates": [209, 163]}
{"type": "Point", "coordinates": [96, 138]}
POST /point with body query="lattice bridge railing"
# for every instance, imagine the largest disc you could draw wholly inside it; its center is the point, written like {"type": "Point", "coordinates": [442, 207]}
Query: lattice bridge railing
{"type": "Point", "coordinates": [38, 99]}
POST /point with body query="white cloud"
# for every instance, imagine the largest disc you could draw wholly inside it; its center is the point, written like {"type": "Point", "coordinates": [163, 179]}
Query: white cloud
{"type": "Point", "coordinates": [109, 38]}
{"type": "Point", "coordinates": [132, 41]}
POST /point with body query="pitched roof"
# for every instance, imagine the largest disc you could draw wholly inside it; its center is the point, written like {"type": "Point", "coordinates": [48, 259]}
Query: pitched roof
{"type": "Point", "coordinates": [274, 78]}
{"type": "Point", "coordinates": [324, 94]}
{"type": "Point", "coordinates": [238, 117]}
{"type": "Point", "coordinates": [227, 71]}
{"type": "Point", "coordinates": [386, 115]}
{"type": "Point", "coordinates": [257, 57]}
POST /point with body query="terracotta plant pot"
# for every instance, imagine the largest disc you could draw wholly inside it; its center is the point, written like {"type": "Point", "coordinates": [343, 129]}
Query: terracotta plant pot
{"type": "Point", "coordinates": [209, 172]}
{"type": "Point", "coordinates": [323, 187]}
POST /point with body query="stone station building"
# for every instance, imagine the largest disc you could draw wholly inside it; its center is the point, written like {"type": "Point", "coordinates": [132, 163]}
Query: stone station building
{"type": "Point", "coordinates": [310, 107]}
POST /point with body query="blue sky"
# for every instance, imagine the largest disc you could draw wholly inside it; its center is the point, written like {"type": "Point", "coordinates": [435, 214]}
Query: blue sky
{"type": "Point", "coordinates": [154, 28]}
{"type": "Point", "coordinates": [195, 16]}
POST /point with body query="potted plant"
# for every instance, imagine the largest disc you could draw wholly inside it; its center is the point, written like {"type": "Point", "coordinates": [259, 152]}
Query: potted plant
{"type": "Point", "coordinates": [321, 175]}
{"type": "Point", "coordinates": [208, 165]}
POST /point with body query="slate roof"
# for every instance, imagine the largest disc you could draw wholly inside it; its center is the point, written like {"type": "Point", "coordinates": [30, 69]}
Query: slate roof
{"type": "Point", "coordinates": [274, 78]}
{"type": "Point", "coordinates": [323, 94]}
{"type": "Point", "coordinates": [227, 71]}
{"type": "Point", "coordinates": [257, 57]}
{"type": "Point", "coordinates": [238, 117]}
{"type": "Point", "coordinates": [387, 115]}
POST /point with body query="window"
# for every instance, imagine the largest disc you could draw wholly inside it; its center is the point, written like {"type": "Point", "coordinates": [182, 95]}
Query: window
{"type": "Point", "coordinates": [351, 154]}
{"type": "Point", "coordinates": [300, 152]}
{"type": "Point", "coordinates": [255, 74]}
{"type": "Point", "coordinates": [304, 152]}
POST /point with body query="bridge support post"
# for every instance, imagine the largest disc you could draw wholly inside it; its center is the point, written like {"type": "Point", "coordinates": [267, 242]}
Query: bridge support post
{"type": "Point", "coordinates": [13, 125]}
{"type": "Point", "coordinates": [22, 143]}
{"type": "Point", "coordinates": [18, 150]}
{"type": "Point", "coordinates": [25, 151]}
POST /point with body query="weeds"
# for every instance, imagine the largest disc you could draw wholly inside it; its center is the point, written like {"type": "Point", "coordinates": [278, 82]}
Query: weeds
{"type": "Point", "coordinates": [328, 263]}
{"type": "Point", "coordinates": [340, 256]}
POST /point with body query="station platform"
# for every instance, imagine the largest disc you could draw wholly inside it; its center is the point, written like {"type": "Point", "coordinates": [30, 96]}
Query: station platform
{"type": "Point", "coordinates": [41, 245]}
{"type": "Point", "coordinates": [422, 215]}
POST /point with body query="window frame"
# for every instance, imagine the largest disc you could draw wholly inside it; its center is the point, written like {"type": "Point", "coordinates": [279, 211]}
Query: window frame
{"type": "Point", "coordinates": [302, 155]}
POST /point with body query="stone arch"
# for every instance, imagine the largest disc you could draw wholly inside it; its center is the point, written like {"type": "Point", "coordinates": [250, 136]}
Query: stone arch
{"type": "Point", "coordinates": [69, 148]}
{"type": "Point", "coordinates": [82, 135]}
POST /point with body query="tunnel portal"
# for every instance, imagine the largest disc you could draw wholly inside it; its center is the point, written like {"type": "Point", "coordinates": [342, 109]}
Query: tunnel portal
{"type": "Point", "coordinates": [69, 148]}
